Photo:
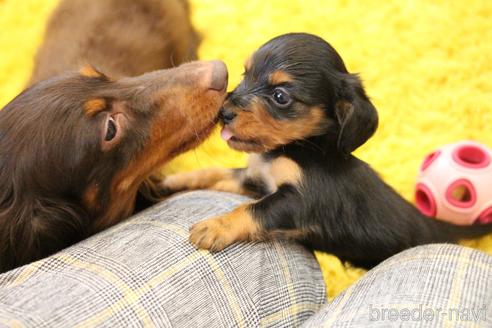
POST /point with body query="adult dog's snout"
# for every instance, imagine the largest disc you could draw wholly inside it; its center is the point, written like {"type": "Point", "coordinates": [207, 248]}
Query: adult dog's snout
{"type": "Point", "coordinates": [216, 75]}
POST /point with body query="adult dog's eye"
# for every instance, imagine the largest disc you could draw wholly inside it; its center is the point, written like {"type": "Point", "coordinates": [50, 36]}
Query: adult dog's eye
{"type": "Point", "coordinates": [281, 97]}
{"type": "Point", "coordinates": [110, 130]}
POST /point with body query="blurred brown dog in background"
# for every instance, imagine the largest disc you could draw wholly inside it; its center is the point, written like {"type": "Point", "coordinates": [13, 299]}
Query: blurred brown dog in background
{"type": "Point", "coordinates": [119, 37]}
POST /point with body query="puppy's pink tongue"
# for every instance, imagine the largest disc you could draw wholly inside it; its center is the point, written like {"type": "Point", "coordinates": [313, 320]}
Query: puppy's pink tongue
{"type": "Point", "coordinates": [226, 134]}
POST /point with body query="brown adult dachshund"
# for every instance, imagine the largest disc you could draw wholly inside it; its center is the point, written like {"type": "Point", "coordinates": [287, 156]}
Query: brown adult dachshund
{"type": "Point", "coordinates": [77, 146]}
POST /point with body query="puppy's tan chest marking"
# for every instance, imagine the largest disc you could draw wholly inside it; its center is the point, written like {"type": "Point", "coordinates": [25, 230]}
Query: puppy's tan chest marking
{"type": "Point", "coordinates": [274, 173]}
{"type": "Point", "coordinates": [285, 171]}
{"type": "Point", "coordinates": [258, 169]}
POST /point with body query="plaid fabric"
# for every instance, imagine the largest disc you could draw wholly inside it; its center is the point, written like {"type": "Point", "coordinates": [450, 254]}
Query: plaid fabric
{"type": "Point", "coordinates": [144, 273]}
{"type": "Point", "coordinates": [427, 286]}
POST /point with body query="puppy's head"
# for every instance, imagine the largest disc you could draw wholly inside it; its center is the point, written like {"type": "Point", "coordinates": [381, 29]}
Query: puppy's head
{"type": "Point", "coordinates": [74, 149]}
{"type": "Point", "coordinates": [296, 87]}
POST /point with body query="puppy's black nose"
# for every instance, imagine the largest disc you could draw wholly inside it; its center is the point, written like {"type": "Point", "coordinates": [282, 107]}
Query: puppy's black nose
{"type": "Point", "coordinates": [227, 115]}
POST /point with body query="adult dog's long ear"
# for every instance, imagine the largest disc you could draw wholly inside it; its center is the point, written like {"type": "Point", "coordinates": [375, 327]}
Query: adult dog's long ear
{"type": "Point", "coordinates": [31, 230]}
{"type": "Point", "coordinates": [356, 115]}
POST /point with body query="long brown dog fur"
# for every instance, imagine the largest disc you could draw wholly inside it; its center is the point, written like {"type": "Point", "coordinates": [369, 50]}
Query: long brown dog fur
{"type": "Point", "coordinates": [79, 145]}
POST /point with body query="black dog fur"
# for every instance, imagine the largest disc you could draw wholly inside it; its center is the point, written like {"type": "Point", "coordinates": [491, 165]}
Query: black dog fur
{"type": "Point", "coordinates": [305, 114]}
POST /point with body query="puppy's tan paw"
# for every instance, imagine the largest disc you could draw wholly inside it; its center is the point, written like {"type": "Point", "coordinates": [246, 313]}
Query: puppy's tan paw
{"type": "Point", "coordinates": [211, 234]}
{"type": "Point", "coordinates": [174, 183]}
{"type": "Point", "coordinates": [200, 179]}
{"type": "Point", "coordinates": [217, 233]}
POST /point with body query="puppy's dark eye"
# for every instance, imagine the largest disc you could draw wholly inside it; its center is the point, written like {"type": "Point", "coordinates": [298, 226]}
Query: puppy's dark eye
{"type": "Point", "coordinates": [281, 97]}
{"type": "Point", "coordinates": [111, 130]}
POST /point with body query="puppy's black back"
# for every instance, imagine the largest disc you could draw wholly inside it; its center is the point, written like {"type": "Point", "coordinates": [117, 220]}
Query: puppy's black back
{"type": "Point", "coordinates": [351, 212]}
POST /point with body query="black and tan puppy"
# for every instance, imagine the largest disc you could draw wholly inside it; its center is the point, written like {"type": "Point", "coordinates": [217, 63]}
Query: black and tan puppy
{"type": "Point", "coordinates": [303, 113]}
{"type": "Point", "coordinates": [78, 147]}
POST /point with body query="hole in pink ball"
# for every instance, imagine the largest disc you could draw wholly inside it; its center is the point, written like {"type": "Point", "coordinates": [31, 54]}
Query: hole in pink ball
{"type": "Point", "coordinates": [461, 194]}
{"type": "Point", "coordinates": [486, 216]}
{"type": "Point", "coordinates": [425, 200]}
{"type": "Point", "coordinates": [429, 159]}
{"type": "Point", "coordinates": [471, 156]}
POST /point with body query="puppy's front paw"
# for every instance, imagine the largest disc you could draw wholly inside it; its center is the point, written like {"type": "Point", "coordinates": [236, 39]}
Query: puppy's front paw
{"type": "Point", "coordinates": [217, 233]}
{"type": "Point", "coordinates": [212, 234]}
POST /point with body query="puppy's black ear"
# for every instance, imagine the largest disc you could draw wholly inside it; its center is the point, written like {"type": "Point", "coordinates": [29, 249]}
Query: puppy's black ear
{"type": "Point", "coordinates": [356, 115]}
{"type": "Point", "coordinates": [33, 230]}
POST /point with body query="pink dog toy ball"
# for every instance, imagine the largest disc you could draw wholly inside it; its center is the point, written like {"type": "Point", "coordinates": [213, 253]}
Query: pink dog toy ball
{"type": "Point", "coordinates": [455, 184]}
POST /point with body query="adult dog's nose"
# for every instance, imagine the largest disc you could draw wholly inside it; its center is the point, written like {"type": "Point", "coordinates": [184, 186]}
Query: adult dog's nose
{"type": "Point", "coordinates": [227, 115]}
{"type": "Point", "coordinates": [218, 75]}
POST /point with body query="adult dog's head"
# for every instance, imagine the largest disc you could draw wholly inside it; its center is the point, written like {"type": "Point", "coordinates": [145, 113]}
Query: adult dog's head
{"type": "Point", "coordinates": [75, 149]}
{"type": "Point", "coordinates": [296, 87]}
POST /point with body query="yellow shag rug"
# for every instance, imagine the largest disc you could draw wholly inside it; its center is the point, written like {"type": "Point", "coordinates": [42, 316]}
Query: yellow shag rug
{"type": "Point", "coordinates": [426, 64]}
